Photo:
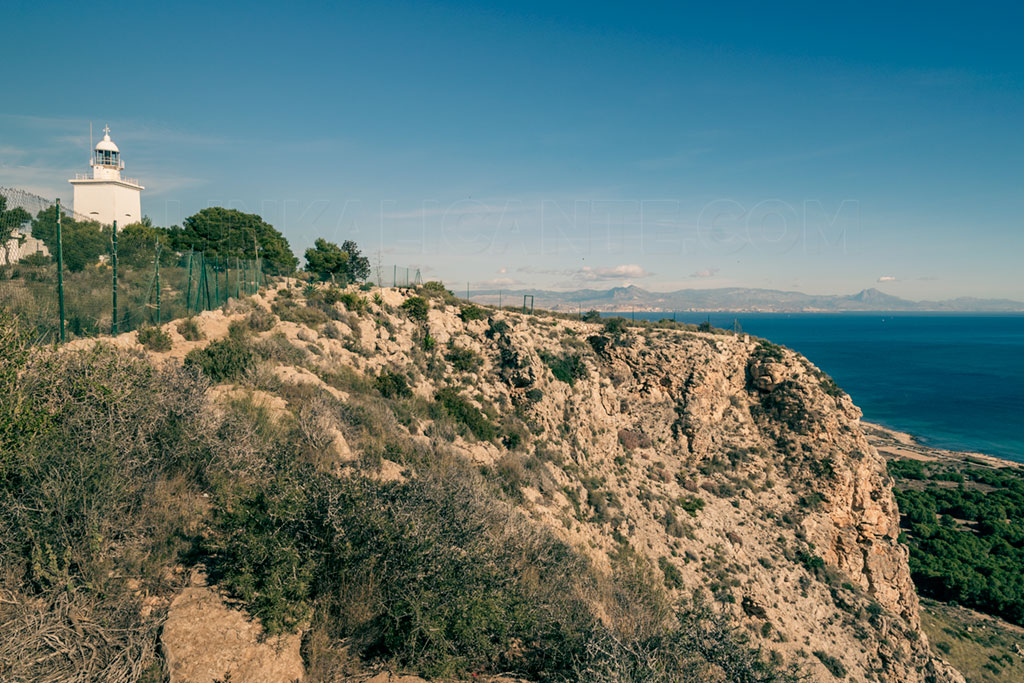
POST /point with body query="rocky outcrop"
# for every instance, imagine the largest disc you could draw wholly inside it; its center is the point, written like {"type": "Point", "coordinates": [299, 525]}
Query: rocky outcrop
{"type": "Point", "coordinates": [735, 466]}
{"type": "Point", "coordinates": [205, 640]}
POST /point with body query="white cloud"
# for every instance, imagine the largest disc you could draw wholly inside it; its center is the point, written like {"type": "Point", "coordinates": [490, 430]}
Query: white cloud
{"type": "Point", "coordinates": [887, 278]}
{"type": "Point", "coordinates": [629, 270]}
{"type": "Point", "coordinates": [707, 272]}
{"type": "Point", "coordinates": [499, 282]}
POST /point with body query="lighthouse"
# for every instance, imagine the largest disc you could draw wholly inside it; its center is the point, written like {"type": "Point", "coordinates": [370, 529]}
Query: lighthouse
{"type": "Point", "coordinates": [104, 196]}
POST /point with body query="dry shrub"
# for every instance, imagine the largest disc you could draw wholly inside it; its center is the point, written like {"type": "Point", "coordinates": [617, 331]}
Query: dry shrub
{"type": "Point", "coordinates": [631, 439]}
{"type": "Point", "coordinates": [82, 502]}
{"type": "Point", "coordinates": [74, 638]}
{"type": "Point", "coordinates": [316, 425]}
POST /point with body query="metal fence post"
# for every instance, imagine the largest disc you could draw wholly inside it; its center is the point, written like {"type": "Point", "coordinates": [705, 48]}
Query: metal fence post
{"type": "Point", "coordinates": [199, 281]}
{"type": "Point", "coordinates": [158, 282]}
{"type": "Point", "coordinates": [256, 265]}
{"type": "Point", "coordinates": [207, 283]}
{"type": "Point", "coordinates": [113, 326]}
{"type": "Point", "coordinates": [60, 274]}
{"type": "Point", "coordinates": [188, 292]}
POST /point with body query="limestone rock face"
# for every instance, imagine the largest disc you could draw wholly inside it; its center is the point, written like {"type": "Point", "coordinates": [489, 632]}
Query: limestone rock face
{"type": "Point", "coordinates": [799, 515]}
{"type": "Point", "coordinates": [204, 641]}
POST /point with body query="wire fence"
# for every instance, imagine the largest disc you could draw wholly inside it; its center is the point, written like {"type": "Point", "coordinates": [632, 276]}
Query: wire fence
{"type": "Point", "coordinates": [84, 283]}
{"type": "Point", "coordinates": [151, 289]}
{"type": "Point", "coordinates": [399, 276]}
{"type": "Point", "coordinates": [105, 285]}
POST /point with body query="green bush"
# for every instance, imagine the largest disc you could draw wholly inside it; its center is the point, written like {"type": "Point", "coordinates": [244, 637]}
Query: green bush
{"type": "Point", "coordinates": [222, 360]}
{"type": "Point", "coordinates": [566, 368]}
{"type": "Point", "coordinates": [353, 302]}
{"type": "Point", "coordinates": [497, 329]}
{"type": "Point", "coordinates": [466, 413]}
{"type": "Point", "coordinates": [239, 330]}
{"type": "Point", "coordinates": [809, 560]}
{"type": "Point", "coordinates": [422, 571]}
{"type": "Point", "coordinates": [392, 385]}
{"type": "Point", "coordinates": [154, 338]}
{"type": "Point", "coordinates": [189, 329]}
{"type": "Point", "coordinates": [768, 351]}
{"type": "Point", "coordinates": [616, 327]}
{"type": "Point", "coordinates": [463, 360]}
{"type": "Point", "coordinates": [907, 469]}
{"type": "Point", "coordinates": [258, 556]}
{"type": "Point", "coordinates": [330, 295]}
{"type": "Point", "coordinates": [279, 349]}
{"type": "Point", "coordinates": [691, 504]}
{"type": "Point", "coordinates": [471, 312]}
{"type": "Point", "coordinates": [416, 307]}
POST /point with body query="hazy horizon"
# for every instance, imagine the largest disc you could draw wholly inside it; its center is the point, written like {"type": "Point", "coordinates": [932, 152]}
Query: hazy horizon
{"type": "Point", "coordinates": [556, 146]}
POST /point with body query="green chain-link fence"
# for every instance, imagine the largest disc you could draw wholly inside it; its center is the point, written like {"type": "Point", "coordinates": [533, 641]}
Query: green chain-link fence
{"type": "Point", "coordinates": [152, 287]}
{"type": "Point", "coordinates": [108, 281]}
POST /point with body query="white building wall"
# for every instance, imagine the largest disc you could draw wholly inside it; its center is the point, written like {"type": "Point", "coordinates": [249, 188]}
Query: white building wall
{"type": "Point", "coordinates": [106, 202]}
{"type": "Point", "coordinates": [18, 246]}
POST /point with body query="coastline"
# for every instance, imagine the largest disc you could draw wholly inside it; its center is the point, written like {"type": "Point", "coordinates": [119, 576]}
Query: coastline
{"type": "Point", "coordinates": [894, 444]}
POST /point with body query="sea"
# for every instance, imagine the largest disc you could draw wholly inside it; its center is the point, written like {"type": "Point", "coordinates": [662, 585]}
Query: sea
{"type": "Point", "coordinates": [954, 381]}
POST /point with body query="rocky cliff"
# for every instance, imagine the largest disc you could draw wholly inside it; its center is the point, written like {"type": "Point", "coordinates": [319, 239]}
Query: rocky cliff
{"type": "Point", "coordinates": [734, 465]}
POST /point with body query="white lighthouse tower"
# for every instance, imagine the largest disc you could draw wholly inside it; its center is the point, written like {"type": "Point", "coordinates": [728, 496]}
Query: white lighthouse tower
{"type": "Point", "coordinates": [105, 196]}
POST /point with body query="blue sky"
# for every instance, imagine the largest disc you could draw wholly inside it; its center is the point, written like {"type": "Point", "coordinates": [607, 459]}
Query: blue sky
{"type": "Point", "coordinates": [823, 147]}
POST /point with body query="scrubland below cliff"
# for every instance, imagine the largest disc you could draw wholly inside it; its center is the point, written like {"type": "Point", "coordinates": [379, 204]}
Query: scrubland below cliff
{"type": "Point", "coordinates": [401, 481]}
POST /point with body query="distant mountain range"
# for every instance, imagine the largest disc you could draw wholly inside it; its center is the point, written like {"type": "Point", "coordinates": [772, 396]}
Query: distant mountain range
{"type": "Point", "coordinates": [737, 299]}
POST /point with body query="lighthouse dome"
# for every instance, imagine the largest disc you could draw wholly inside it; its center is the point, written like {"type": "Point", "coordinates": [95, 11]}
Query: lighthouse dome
{"type": "Point", "coordinates": [106, 145]}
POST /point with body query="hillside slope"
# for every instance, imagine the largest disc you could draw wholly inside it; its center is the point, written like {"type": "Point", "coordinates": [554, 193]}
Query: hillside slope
{"type": "Point", "coordinates": [710, 465]}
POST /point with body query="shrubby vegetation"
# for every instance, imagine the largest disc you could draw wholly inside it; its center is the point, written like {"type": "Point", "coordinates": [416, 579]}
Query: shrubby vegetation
{"type": "Point", "coordinates": [96, 448]}
{"type": "Point", "coordinates": [112, 469]}
{"type": "Point", "coordinates": [464, 412]}
{"type": "Point", "coordinates": [189, 329]}
{"type": "Point", "coordinates": [471, 312]}
{"type": "Point", "coordinates": [154, 338]}
{"type": "Point", "coordinates": [223, 359]}
{"type": "Point", "coordinates": [416, 307]}
{"type": "Point", "coordinates": [965, 530]}
{"type": "Point", "coordinates": [566, 368]}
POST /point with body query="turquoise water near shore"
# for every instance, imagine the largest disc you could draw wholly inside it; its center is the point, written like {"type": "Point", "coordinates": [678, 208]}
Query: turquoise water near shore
{"type": "Point", "coordinates": [954, 381]}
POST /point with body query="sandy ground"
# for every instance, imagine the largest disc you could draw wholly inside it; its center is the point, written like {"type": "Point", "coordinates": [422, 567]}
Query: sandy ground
{"type": "Point", "coordinates": [893, 444]}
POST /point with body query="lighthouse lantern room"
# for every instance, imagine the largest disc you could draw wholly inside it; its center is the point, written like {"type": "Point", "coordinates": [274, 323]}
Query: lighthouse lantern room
{"type": "Point", "coordinates": [103, 195]}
